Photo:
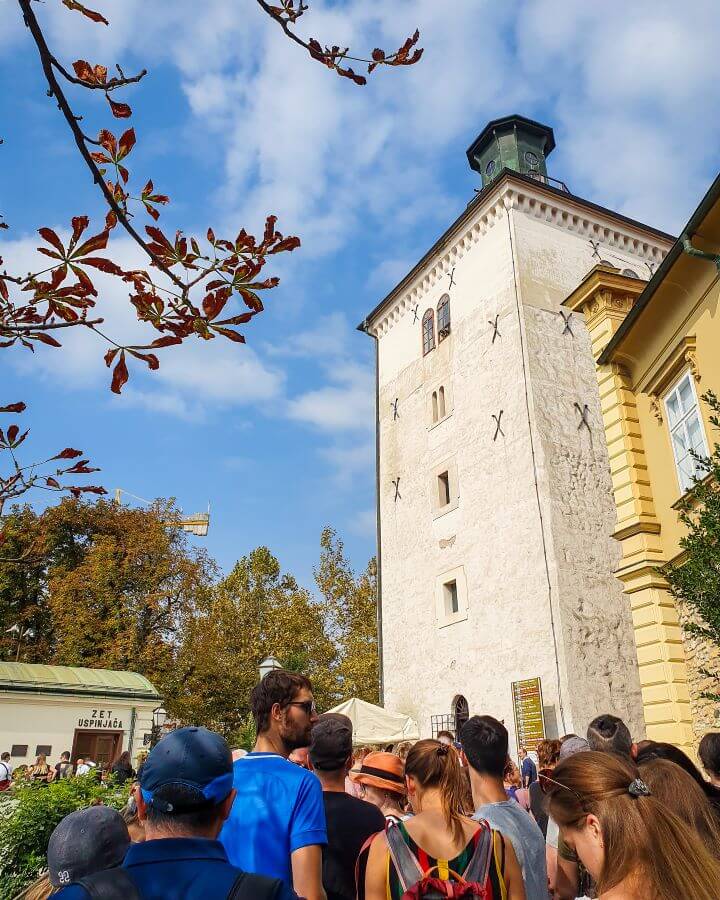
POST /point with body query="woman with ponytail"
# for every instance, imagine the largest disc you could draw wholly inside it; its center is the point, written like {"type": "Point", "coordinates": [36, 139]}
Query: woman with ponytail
{"type": "Point", "coordinates": [633, 845]}
{"type": "Point", "coordinates": [438, 836]}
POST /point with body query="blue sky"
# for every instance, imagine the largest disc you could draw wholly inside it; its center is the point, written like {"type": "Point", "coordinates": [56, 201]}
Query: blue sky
{"type": "Point", "coordinates": [233, 122]}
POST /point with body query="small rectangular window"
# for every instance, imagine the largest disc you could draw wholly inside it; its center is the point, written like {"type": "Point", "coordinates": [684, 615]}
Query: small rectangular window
{"type": "Point", "coordinates": [444, 489]}
{"type": "Point", "coordinates": [19, 750]}
{"type": "Point", "coordinates": [686, 431]}
{"type": "Point", "coordinates": [450, 591]}
{"type": "Point", "coordinates": [43, 749]}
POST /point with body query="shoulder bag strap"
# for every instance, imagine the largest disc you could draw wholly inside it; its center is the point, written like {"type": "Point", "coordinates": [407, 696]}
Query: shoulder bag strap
{"type": "Point", "coordinates": [406, 865]}
{"type": "Point", "coordinates": [112, 884]}
{"type": "Point", "coordinates": [478, 868]}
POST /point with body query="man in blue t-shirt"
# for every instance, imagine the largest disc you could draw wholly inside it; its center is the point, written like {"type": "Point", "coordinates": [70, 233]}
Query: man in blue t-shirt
{"type": "Point", "coordinates": [528, 770]}
{"type": "Point", "coordinates": [277, 824]}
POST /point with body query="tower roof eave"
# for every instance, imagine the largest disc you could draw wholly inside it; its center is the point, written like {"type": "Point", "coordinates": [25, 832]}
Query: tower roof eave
{"type": "Point", "coordinates": [504, 175]}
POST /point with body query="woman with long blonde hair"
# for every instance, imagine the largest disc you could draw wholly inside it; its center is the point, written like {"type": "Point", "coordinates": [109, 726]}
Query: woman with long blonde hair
{"type": "Point", "coordinates": [438, 840]}
{"type": "Point", "coordinates": [633, 846]}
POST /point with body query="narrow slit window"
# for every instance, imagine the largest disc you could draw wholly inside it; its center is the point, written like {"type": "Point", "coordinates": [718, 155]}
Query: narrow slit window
{"type": "Point", "coordinates": [452, 604]}
{"type": "Point", "coordinates": [428, 331]}
{"type": "Point", "coordinates": [443, 317]}
{"type": "Point", "coordinates": [444, 489]}
{"type": "Point", "coordinates": [441, 403]}
{"type": "Point", "coordinates": [434, 406]}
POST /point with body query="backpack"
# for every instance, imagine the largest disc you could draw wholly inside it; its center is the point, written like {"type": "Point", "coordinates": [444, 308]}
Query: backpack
{"type": "Point", "coordinates": [416, 884]}
{"type": "Point", "coordinates": [116, 884]}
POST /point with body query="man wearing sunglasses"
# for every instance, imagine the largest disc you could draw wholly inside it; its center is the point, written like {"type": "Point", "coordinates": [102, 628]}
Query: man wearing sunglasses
{"type": "Point", "coordinates": [277, 823]}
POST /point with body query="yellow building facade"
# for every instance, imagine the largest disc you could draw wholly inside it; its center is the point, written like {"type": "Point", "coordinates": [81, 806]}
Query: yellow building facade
{"type": "Point", "coordinates": [657, 348]}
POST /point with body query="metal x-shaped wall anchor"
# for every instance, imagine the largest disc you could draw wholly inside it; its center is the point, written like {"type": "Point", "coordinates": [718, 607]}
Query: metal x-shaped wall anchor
{"type": "Point", "coordinates": [496, 332]}
{"type": "Point", "coordinates": [596, 251]}
{"type": "Point", "coordinates": [451, 276]}
{"type": "Point", "coordinates": [396, 485]}
{"type": "Point", "coordinates": [567, 320]}
{"type": "Point", "coordinates": [498, 428]}
{"type": "Point", "coordinates": [584, 412]}
{"type": "Point", "coordinates": [415, 313]}
{"type": "Point", "coordinates": [393, 404]}
{"type": "Point", "coordinates": [651, 266]}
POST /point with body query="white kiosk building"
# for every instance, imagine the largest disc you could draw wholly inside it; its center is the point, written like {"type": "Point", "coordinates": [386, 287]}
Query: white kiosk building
{"type": "Point", "coordinates": [92, 713]}
{"type": "Point", "coordinates": [495, 510]}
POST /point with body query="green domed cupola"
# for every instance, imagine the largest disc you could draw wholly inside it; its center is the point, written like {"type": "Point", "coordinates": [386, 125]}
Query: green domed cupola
{"type": "Point", "coordinates": [512, 142]}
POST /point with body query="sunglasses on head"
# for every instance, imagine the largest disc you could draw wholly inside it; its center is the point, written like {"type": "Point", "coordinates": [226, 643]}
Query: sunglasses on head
{"type": "Point", "coordinates": [549, 786]}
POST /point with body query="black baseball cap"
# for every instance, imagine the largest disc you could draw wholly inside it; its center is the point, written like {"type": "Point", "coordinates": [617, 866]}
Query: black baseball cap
{"type": "Point", "coordinates": [87, 841]}
{"type": "Point", "coordinates": [189, 757]}
{"type": "Point", "coordinates": [331, 742]}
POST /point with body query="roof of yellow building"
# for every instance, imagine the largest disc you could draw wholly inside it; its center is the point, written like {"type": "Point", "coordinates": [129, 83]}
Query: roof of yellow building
{"type": "Point", "coordinates": [37, 678]}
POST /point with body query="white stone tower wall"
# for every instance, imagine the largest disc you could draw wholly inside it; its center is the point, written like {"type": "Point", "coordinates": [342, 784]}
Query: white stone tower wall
{"type": "Point", "coordinates": [534, 607]}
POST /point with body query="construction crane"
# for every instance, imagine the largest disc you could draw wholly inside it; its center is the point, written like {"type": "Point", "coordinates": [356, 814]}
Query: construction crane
{"type": "Point", "coordinates": [197, 524]}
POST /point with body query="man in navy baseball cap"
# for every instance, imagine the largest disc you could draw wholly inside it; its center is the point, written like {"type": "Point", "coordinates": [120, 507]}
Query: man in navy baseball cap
{"type": "Point", "coordinates": [184, 796]}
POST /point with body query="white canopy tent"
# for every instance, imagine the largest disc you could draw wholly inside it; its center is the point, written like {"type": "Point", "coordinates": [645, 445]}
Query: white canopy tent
{"type": "Point", "coordinates": [375, 725]}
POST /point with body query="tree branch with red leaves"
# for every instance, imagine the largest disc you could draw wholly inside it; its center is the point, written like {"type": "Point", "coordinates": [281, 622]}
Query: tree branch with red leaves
{"type": "Point", "coordinates": [201, 287]}
{"type": "Point", "coordinates": [288, 13]}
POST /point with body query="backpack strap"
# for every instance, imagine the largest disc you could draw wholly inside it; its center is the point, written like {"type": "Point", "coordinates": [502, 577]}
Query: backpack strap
{"type": "Point", "coordinates": [406, 865]}
{"type": "Point", "coordinates": [478, 868]}
{"type": "Point", "coordinates": [112, 884]}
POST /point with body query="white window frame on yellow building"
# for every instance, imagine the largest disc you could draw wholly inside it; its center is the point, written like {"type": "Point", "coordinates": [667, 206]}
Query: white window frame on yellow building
{"type": "Point", "coordinates": [686, 479]}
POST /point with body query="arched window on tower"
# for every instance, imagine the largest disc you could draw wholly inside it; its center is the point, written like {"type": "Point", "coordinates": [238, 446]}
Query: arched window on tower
{"type": "Point", "coordinates": [434, 406]}
{"type": "Point", "coordinates": [443, 316]}
{"type": "Point", "coordinates": [461, 713]}
{"type": "Point", "coordinates": [441, 403]}
{"type": "Point", "coordinates": [428, 331]}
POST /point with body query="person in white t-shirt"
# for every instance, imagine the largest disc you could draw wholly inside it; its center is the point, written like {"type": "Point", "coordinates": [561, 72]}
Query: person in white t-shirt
{"type": "Point", "coordinates": [6, 770]}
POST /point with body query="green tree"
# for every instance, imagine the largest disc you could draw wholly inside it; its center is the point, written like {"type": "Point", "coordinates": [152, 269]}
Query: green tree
{"type": "Point", "coordinates": [350, 603]}
{"type": "Point", "coordinates": [256, 611]}
{"type": "Point", "coordinates": [695, 581]}
{"type": "Point", "coordinates": [108, 586]}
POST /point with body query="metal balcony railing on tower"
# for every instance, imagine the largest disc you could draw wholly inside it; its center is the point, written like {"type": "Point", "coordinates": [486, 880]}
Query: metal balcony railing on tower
{"type": "Point", "coordinates": [546, 179]}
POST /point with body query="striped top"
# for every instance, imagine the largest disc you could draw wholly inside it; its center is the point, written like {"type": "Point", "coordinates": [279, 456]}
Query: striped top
{"type": "Point", "coordinates": [458, 864]}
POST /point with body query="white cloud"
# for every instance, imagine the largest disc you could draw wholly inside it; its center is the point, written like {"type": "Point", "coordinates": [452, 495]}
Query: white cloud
{"type": "Point", "coordinates": [364, 524]}
{"type": "Point", "coordinates": [346, 404]}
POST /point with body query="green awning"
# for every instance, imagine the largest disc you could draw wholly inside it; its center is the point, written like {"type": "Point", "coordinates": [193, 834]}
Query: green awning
{"type": "Point", "coordinates": [41, 679]}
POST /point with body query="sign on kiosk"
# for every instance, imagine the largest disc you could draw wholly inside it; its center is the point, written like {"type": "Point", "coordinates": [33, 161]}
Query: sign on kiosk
{"type": "Point", "coordinates": [528, 712]}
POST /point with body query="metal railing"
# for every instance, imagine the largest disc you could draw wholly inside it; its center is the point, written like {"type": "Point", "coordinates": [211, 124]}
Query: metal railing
{"type": "Point", "coordinates": [546, 179]}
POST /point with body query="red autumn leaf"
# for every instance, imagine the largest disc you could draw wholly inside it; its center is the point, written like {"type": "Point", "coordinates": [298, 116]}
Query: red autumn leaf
{"type": "Point", "coordinates": [52, 482]}
{"type": "Point", "coordinates": [13, 408]}
{"type": "Point", "coordinates": [110, 220]}
{"type": "Point", "coordinates": [229, 333]}
{"type": "Point", "coordinates": [119, 110]}
{"type": "Point", "coordinates": [49, 235]}
{"type": "Point", "coordinates": [100, 73]}
{"type": "Point", "coordinates": [12, 433]}
{"type": "Point", "coordinates": [79, 224]}
{"type": "Point", "coordinates": [87, 489]}
{"type": "Point", "coordinates": [67, 453]}
{"type": "Point", "coordinates": [45, 339]}
{"type": "Point", "coordinates": [96, 242]}
{"type": "Point", "coordinates": [110, 356]}
{"type": "Point", "coordinates": [166, 341]}
{"type": "Point", "coordinates": [105, 265]}
{"type": "Point", "coordinates": [150, 358]}
{"type": "Point", "coordinates": [158, 236]}
{"type": "Point", "coordinates": [126, 143]}
{"type": "Point", "coordinates": [288, 243]}
{"type": "Point", "coordinates": [83, 70]}
{"type": "Point", "coordinates": [81, 468]}
{"type": "Point", "coordinates": [3, 290]}
{"type": "Point", "coordinates": [89, 13]}
{"type": "Point", "coordinates": [120, 374]}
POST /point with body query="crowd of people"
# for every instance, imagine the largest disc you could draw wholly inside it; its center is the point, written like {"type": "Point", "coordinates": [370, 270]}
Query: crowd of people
{"type": "Point", "coordinates": [307, 815]}
{"type": "Point", "coordinates": [43, 772]}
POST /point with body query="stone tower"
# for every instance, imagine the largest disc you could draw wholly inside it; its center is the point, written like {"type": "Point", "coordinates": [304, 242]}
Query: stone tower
{"type": "Point", "coordinates": [494, 494]}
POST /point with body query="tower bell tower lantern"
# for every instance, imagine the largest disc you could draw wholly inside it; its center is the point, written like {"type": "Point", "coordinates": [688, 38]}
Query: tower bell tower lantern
{"type": "Point", "coordinates": [512, 142]}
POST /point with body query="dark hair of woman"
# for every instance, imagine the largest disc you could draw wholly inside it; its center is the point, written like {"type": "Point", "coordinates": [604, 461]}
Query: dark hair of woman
{"type": "Point", "coordinates": [436, 765]}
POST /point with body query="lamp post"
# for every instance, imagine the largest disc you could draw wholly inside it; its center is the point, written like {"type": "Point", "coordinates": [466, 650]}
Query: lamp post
{"type": "Point", "coordinates": [20, 633]}
{"type": "Point", "coordinates": [159, 719]}
{"type": "Point", "coordinates": [267, 666]}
